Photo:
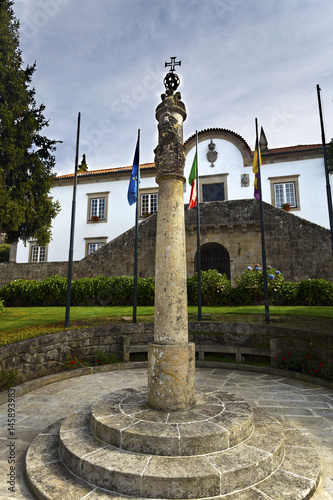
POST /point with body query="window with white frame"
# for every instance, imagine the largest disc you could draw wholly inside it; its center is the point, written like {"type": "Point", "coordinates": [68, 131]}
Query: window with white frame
{"type": "Point", "coordinates": [97, 207]}
{"type": "Point", "coordinates": [285, 190]}
{"type": "Point", "coordinates": [92, 247]}
{"type": "Point", "coordinates": [285, 193]}
{"type": "Point", "coordinates": [149, 204]}
{"type": "Point", "coordinates": [37, 253]}
{"type": "Point", "coordinates": [94, 244]}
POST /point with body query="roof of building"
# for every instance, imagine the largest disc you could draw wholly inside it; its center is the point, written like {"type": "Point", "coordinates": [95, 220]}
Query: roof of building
{"type": "Point", "coordinates": [144, 166]}
{"type": "Point", "coordinates": [150, 166]}
{"type": "Point", "coordinates": [291, 149]}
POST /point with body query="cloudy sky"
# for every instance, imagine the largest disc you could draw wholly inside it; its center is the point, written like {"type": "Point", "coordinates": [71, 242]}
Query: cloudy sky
{"type": "Point", "coordinates": [240, 59]}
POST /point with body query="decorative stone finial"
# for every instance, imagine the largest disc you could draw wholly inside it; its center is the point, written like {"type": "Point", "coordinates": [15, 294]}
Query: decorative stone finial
{"type": "Point", "coordinates": [171, 80]}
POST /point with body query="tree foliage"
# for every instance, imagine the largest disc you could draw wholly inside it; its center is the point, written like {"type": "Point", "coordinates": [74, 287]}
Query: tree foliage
{"type": "Point", "coordinates": [26, 156]}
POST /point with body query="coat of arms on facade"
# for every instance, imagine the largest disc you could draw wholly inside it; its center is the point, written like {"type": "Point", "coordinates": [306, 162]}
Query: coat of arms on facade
{"type": "Point", "coordinates": [212, 154]}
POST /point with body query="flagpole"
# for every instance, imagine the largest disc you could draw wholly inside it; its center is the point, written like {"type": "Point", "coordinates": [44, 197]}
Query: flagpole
{"type": "Point", "coordinates": [328, 186]}
{"type": "Point", "coordinates": [198, 232]}
{"type": "Point", "coordinates": [71, 243]}
{"type": "Point", "coordinates": [135, 289]}
{"type": "Point", "coordinates": [263, 246]}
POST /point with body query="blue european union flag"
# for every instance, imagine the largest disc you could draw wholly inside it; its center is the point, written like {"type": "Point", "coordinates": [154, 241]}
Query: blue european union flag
{"type": "Point", "coordinates": [135, 177]}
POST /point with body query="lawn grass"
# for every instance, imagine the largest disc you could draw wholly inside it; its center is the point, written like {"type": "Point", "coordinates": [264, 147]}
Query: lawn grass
{"type": "Point", "coordinates": [313, 311]}
{"type": "Point", "coordinates": [19, 323]}
{"type": "Point", "coordinates": [20, 317]}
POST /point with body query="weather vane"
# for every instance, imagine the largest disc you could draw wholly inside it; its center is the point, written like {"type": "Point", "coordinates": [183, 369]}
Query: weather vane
{"type": "Point", "coordinates": [171, 80]}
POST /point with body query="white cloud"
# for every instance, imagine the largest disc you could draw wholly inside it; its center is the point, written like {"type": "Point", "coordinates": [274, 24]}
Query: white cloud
{"type": "Point", "coordinates": [241, 59]}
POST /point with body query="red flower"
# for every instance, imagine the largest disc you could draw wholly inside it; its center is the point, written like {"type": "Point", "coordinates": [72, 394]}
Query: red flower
{"type": "Point", "coordinates": [276, 357]}
{"type": "Point", "coordinates": [97, 361]}
{"type": "Point", "coordinates": [307, 357]}
{"type": "Point", "coordinates": [73, 362]}
{"type": "Point", "coordinates": [283, 358]}
{"type": "Point", "coordinates": [315, 370]}
{"type": "Point", "coordinates": [289, 354]}
{"type": "Point", "coordinates": [321, 365]}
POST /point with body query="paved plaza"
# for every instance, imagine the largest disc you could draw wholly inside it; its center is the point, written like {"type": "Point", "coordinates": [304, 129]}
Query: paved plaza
{"type": "Point", "coordinates": [305, 406]}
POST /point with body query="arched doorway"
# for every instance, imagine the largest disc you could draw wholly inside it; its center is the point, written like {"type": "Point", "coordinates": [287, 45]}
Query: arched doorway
{"type": "Point", "coordinates": [214, 256]}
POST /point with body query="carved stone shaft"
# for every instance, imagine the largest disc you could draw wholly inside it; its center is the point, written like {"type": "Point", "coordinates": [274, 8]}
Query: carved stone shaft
{"type": "Point", "coordinates": [171, 358]}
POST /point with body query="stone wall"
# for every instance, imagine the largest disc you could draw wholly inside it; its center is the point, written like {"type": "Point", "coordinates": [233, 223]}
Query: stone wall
{"type": "Point", "coordinates": [299, 248]}
{"type": "Point", "coordinates": [32, 356]}
{"type": "Point", "coordinates": [10, 271]}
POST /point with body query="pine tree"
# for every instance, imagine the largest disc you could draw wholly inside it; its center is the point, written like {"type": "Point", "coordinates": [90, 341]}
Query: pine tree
{"type": "Point", "coordinates": [26, 156]}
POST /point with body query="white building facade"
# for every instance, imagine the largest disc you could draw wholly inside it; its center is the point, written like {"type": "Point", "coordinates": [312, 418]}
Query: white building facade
{"type": "Point", "coordinates": [293, 175]}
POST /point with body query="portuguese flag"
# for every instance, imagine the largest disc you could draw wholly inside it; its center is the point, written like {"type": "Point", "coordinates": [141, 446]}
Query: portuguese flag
{"type": "Point", "coordinates": [193, 183]}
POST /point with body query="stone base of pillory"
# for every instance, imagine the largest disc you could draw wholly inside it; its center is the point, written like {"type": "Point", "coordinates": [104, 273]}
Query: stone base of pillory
{"type": "Point", "coordinates": [222, 448]}
{"type": "Point", "coordinates": [171, 375]}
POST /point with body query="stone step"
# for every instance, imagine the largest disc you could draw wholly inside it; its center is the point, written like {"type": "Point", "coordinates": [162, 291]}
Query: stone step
{"type": "Point", "coordinates": [217, 421]}
{"type": "Point", "coordinates": [155, 476]}
{"type": "Point", "coordinates": [49, 479]}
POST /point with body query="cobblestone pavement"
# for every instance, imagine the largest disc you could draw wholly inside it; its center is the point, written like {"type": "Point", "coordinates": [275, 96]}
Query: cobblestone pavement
{"type": "Point", "coordinates": [305, 406]}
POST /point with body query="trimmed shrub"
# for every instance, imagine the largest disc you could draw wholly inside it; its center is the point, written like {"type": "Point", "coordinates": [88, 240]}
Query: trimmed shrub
{"type": "Point", "coordinates": [250, 286]}
{"type": "Point", "coordinates": [215, 288]}
{"type": "Point", "coordinates": [315, 292]}
{"type": "Point", "coordinates": [285, 294]}
{"type": "Point", "coordinates": [114, 291]}
{"type": "Point", "coordinates": [32, 293]}
{"type": "Point", "coordinates": [192, 290]}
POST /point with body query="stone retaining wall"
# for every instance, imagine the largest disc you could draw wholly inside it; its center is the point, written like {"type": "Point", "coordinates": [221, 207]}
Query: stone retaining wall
{"type": "Point", "coordinates": [33, 356]}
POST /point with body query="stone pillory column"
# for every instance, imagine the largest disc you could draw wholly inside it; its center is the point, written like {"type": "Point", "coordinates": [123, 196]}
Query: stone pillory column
{"type": "Point", "coordinates": [171, 358]}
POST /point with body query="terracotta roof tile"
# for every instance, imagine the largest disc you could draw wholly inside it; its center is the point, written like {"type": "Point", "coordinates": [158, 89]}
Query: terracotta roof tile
{"type": "Point", "coordinates": [291, 149]}
{"type": "Point", "coordinates": [150, 166]}
{"type": "Point", "coordinates": [117, 170]}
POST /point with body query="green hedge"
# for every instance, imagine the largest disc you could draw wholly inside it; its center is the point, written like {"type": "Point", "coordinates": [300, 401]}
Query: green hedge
{"type": "Point", "coordinates": [115, 291]}
{"type": "Point", "coordinates": [216, 290]}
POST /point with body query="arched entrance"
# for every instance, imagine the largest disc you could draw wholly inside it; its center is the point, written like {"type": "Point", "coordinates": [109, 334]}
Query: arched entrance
{"type": "Point", "coordinates": [214, 256]}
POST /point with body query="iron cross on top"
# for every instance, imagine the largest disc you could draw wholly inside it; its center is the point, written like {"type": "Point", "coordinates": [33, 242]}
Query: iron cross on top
{"type": "Point", "coordinates": [173, 63]}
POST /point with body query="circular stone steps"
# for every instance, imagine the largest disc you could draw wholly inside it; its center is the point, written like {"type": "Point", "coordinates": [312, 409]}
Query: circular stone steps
{"type": "Point", "coordinates": [232, 450]}
{"type": "Point", "coordinates": [217, 421]}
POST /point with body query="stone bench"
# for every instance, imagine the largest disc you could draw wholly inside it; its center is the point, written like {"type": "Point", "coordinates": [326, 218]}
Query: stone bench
{"type": "Point", "coordinates": [240, 352]}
